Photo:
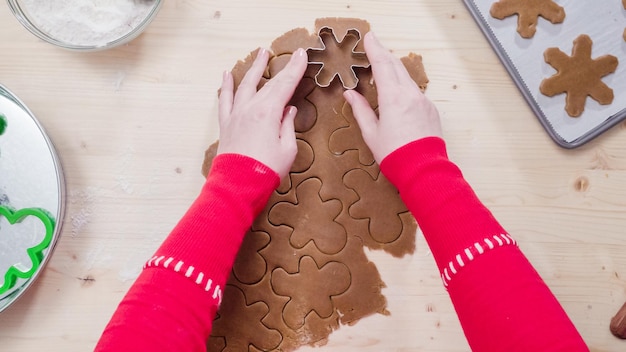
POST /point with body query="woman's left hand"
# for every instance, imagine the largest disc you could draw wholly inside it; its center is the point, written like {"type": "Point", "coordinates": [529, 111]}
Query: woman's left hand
{"type": "Point", "coordinates": [259, 124]}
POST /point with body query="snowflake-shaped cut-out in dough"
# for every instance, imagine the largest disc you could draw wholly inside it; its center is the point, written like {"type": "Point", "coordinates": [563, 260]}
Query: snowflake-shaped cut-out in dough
{"type": "Point", "coordinates": [579, 76]}
{"type": "Point", "coordinates": [315, 212]}
{"type": "Point", "coordinates": [318, 293]}
{"type": "Point", "coordinates": [528, 12]}
{"type": "Point", "coordinates": [338, 57]}
{"type": "Point", "coordinates": [258, 335]}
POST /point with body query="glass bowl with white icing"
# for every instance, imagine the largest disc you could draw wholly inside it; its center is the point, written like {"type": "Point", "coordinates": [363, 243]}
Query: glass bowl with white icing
{"type": "Point", "coordinates": [85, 25]}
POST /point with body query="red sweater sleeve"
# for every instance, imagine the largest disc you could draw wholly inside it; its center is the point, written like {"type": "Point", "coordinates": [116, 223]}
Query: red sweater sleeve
{"type": "Point", "coordinates": [171, 305]}
{"type": "Point", "coordinates": [501, 302]}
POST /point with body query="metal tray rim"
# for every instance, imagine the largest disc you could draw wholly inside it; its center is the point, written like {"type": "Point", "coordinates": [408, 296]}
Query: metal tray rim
{"type": "Point", "coordinates": [61, 201]}
{"type": "Point", "coordinates": [519, 82]}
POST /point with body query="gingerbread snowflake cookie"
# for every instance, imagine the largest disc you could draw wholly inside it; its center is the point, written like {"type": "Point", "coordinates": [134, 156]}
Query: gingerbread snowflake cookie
{"type": "Point", "coordinates": [579, 76]}
{"type": "Point", "coordinates": [528, 12]}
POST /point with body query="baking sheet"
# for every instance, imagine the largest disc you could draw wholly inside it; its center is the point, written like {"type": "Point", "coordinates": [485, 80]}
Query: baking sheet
{"type": "Point", "coordinates": [603, 21]}
{"type": "Point", "coordinates": [30, 177]}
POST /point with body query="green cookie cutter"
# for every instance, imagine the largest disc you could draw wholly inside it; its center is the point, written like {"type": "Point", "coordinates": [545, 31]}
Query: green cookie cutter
{"type": "Point", "coordinates": [3, 124]}
{"type": "Point", "coordinates": [34, 253]}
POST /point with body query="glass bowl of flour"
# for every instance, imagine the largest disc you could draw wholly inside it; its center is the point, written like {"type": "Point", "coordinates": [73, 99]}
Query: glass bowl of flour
{"type": "Point", "coordinates": [85, 25]}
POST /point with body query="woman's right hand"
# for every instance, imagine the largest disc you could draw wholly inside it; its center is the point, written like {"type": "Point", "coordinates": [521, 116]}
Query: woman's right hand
{"type": "Point", "coordinates": [405, 113]}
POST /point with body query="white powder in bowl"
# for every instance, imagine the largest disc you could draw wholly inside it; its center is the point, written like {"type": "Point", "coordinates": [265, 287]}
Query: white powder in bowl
{"type": "Point", "coordinates": [87, 22]}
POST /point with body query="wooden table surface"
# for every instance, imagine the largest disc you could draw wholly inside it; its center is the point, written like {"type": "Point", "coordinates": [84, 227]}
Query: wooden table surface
{"type": "Point", "coordinates": [131, 124]}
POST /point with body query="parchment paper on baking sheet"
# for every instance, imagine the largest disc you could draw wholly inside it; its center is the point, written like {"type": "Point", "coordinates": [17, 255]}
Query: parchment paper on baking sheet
{"type": "Point", "coordinates": [603, 21]}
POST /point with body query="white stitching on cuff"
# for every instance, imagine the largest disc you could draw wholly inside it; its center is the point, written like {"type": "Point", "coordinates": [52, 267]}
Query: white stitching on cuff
{"type": "Point", "coordinates": [470, 253]}
{"type": "Point", "coordinates": [187, 271]}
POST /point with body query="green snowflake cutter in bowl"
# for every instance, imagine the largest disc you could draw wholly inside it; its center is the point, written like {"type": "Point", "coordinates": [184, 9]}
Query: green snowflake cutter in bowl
{"type": "Point", "coordinates": [3, 124]}
{"type": "Point", "coordinates": [35, 253]}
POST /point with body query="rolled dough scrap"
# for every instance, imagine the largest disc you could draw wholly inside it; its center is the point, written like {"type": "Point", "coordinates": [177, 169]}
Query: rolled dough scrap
{"type": "Point", "coordinates": [579, 76]}
{"type": "Point", "coordinates": [302, 269]}
{"type": "Point", "coordinates": [528, 12]}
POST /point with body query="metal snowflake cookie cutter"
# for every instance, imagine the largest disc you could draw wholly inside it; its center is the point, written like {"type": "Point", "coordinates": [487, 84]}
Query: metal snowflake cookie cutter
{"type": "Point", "coordinates": [35, 253]}
{"type": "Point", "coordinates": [347, 62]}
